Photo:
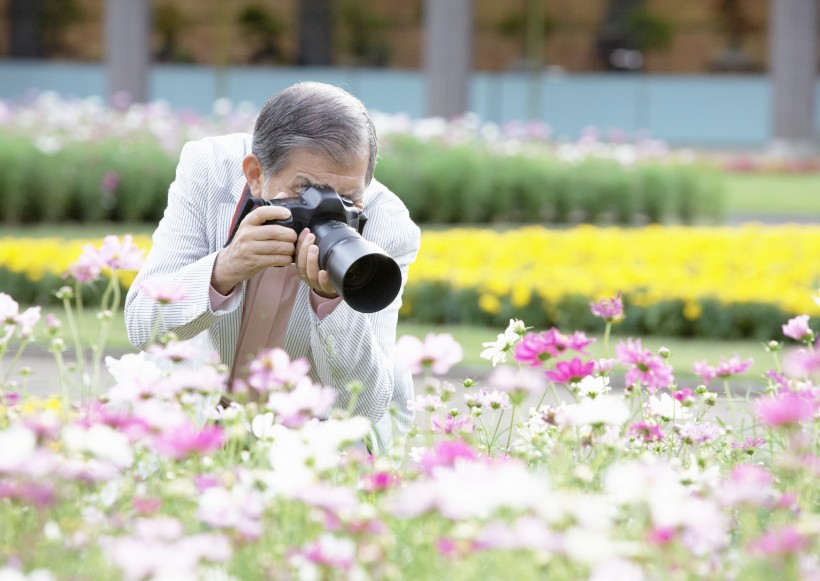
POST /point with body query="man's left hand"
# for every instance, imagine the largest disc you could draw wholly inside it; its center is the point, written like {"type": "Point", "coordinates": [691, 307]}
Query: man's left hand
{"type": "Point", "coordinates": [307, 264]}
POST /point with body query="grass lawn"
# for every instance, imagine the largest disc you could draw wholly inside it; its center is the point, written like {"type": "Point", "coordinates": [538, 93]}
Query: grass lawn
{"type": "Point", "coordinates": [780, 195]}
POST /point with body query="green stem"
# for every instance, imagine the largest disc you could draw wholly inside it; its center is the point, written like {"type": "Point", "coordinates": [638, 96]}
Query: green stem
{"type": "Point", "coordinates": [606, 337]}
{"type": "Point", "coordinates": [492, 439]}
{"type": "Point", "coordinates": [15, 360]}
{"type": "Point", "coordinates": [512, 424]}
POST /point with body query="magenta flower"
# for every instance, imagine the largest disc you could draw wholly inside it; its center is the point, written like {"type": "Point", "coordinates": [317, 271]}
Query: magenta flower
{"type": "Point", "coordinates": [610, 310]}
{"type": "Point", "coordinates": [684, 395]}
{"type": "Point", "coordinates": [750, 444]}
{"type": "Point", "coordinates": [571, 371]}
{"type": "Point", "coordinates": [163, 292]}
{"type": "Point", "coordinates": [785, 409]}
{"type": "Point", "coordinates": [186, 439]}
{"type": "Point", "coordinates": [798, 329]}
{"type": "Point", "coordinates": [642, 366]}
{"type": "Point", "coordinates": [646, 431]}
{"type": "Point", "coordinates": [438, 353]}
{"type": "Point", "coordinates": [536, 348]}
{"type": "Point", "coordinates": [379, 481]}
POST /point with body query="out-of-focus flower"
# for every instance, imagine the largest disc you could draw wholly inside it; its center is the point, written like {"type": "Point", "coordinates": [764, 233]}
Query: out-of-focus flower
{"type": "Point", "coordinates": [748, 484]}
{"type": "Point", "coordinates": [496, 351]}
{"type": "Point", "coordinates": [438, 353]}
{"type": "Point", "coordinates": [780, 542]}
{"type": "Point", "coordinates": [643, 368]}
{"type": "Point", "coordinates": [331, 551]}
{"type": "Point", "coordinates": [445, 453]}
{"type": "Point", "coordinates": [802, 362]}
{"type": "Point", "coordinates": [102, 442]}
{"type": "Point", "coordinates": [602, 410]}
{"type": "Point", "coordinates": [8, 310]}
{"type": "Point", "coordinates": [163, 292]}
{"type": "Point", "coordinates": [666, 407]}
{"type": "Point", "coordinates": [121, 254]}
{"type": "Point", "coordinates": [186, 439]}
{"type": "Point", "coordinates": [305, 402]}
{"type": "Point", "coordinates": [725, 368]}
{"type": "Point", "coordinates": [785, 408]}
{"type": "Point", "coordinates": [273, 370]}
{"type": "Point", "coordinates": [646, 431]}
{"type": "Point", "coordinates": [610, 310]}
{"type": "Point", "coordinates": [797, 328]}
{"type": "Point", "coordinates": [571, 371]}
{"type": "Point", "coordinates": [452, 424]}
{"type": "Point", "coordinates": [27, 320]}
{"type": "Point", "coordinates": [518, 383]}
{"type": "Point", "coordinates": [88, 267]}
{"type": "Point", "coordinates": [240, 509]}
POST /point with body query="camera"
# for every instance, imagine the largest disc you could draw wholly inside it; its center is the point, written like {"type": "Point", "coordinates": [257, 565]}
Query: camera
{"type": "Point", "coordinates": [365, 276]}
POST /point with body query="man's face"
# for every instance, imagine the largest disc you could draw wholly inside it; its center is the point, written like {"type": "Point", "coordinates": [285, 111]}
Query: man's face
{"type": "Point", "coordinates": [307, 168]}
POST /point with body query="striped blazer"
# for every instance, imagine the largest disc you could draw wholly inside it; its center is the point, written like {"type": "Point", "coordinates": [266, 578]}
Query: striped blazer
{"type": "Point", "coordinates": [345, 347]}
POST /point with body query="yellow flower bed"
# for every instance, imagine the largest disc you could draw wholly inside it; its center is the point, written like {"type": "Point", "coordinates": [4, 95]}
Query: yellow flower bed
{"type": "Point", "coordinates": [36, 257]}
{"type": "Point", "coordinates": [778, 265]}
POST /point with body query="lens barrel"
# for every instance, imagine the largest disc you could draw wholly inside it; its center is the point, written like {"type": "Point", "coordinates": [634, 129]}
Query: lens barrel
{"type": "Point", "coordinates": [366, 277]}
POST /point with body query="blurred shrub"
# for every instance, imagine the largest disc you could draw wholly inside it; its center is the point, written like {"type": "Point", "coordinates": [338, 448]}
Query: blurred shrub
{"type": "Point", "coordinates": [127, 179]}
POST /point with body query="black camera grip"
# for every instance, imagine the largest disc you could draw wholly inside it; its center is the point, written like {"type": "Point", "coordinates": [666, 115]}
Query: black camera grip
{"type": "Point", "coordinates": [242, 210]}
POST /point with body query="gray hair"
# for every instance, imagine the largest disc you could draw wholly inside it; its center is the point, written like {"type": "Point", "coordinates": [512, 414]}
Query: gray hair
{"type": "Point", "coordinates": [318, 117]}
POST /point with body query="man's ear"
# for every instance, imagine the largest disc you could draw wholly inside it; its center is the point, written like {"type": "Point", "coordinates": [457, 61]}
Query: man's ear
{"type": "Point", "coordinates": [253, 174]}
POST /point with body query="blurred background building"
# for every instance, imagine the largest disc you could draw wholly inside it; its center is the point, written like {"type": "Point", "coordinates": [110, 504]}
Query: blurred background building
{"type": "Point", "coordinates": [701, 72]}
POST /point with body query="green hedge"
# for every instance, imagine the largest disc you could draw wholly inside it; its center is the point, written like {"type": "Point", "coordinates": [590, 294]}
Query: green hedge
{"type": "Point", "coordinates": [127, 180]}
{"type": "Point", "coordinates": [439, 304]}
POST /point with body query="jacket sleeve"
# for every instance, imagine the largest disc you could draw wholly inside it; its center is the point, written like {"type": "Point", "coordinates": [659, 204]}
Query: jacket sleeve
{"type": "Point", "coordinates": [180, 257]}
{"type": "Point", "coordinates": [349, 347]}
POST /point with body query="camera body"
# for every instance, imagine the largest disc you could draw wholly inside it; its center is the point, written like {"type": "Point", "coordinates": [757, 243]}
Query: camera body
{"type": "Point", "coordinates": [366, 277]}
{"type": "Point", "coordinates": [315, 205]}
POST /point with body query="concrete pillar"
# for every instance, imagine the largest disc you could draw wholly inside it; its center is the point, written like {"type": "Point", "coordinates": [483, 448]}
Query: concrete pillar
{"type": "Point", "coordinates": [793, 63]}
{"type": "Point", "coordinates": [447, 55]}
{"type": "Point", "coordinates": [128, 47]}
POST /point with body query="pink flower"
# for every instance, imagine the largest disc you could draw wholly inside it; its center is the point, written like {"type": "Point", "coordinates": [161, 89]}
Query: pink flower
{"type": "Point", "coordinates": [798, 329]}
{"type": "Point", "coordinates": [802, 362]}
{"type": "Point", "coordinates": [571, 371]}
{"type": "Point", "coordinates": [273, 370]}
{"type": "Point", "coordinates": [783, 541]}
{"type": "Point", "coordinates": [648, 432]}
{"type": "Point", "coordinates": [379, 481]}
{"type": "Point", "coordinates": [518, 383]}
{"type": "Point", "coordinates": [684, 395]}
{"type": "Point", "coordinates": [748, 484]}
{"type": "Point", "coordinates": [446, 453]}
{"type": "Point", "coordinates": [163, 292]}
{"type": "Point", "coordinates": [536, 348]}
{"type": "Point", "coordinates": [146, 506]}
{"type": "Point", "coordinates": [642, 366]}
{"type": "Point", "coordinates": [452, 424]}
{"type": "Point", "coordinates": [725, 368]}
{"type": "Point", "coordinates": [305, 402]}
{"type": "Point", "coordinates": [27, 320]}
{"type": "Point", "coordinates": [121, 255]}
{"type": "Point", "coordinates": [9, 310]}
{"type": "Point", "coordinates": [186, 439]}
{"type": "Point", "coordinates": [749, 445]}
{"type": "Point", "coordinates": [785, 409]}
{"type": "Point", "coordinates": [88, 266]}
{"type": "Point", "coordinates": [438, 352]}
{"type": "Point", "coordinates": [610, 310]}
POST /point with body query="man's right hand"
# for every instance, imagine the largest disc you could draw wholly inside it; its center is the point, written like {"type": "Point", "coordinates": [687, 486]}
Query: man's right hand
{"type": "Point", "coordinates": [255, 246]}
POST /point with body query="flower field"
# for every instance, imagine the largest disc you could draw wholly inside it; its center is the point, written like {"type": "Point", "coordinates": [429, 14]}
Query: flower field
{"type": "Point", "coordinates": [490, 276]}
{"type": "Point", "coordinates": [541, 469]}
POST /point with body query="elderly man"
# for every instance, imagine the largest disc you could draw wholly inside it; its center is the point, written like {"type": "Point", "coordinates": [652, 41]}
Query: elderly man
{"type": "Point", "coordinates": [265, 289]}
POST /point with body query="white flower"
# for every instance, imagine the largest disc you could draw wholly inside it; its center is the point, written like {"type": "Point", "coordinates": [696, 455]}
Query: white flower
{"type": "Point", "coordinates": [134, 376]}
{"type": "Point", "coordinates": [18, 444]}
{"type": "Point", "coordinates": [593, 386]}
{"type": "Point", "coordinates": [666, 408]}
{"type": "Point", "coordinates": [496, 351]}
{"type": "Point", "coordinates": [100, 441]}
{"type": "Point", "coordinates": [262, 426]}
{"type": "Point", "coordinates": [601, 410]}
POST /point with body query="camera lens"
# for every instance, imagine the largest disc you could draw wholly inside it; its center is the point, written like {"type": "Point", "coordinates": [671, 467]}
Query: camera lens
{"type": "Point", "coordinates": [362, 273]}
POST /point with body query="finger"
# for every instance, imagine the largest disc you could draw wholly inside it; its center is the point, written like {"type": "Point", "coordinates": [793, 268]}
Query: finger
{"type": "Point", "coordinates": [263, 214]}
{"type": "Point", "coordinates": [303, 255]}
{"type": "Point", "coordinates": [313, 266]}
{"type": "Point", "coordinates": [324, 281]}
